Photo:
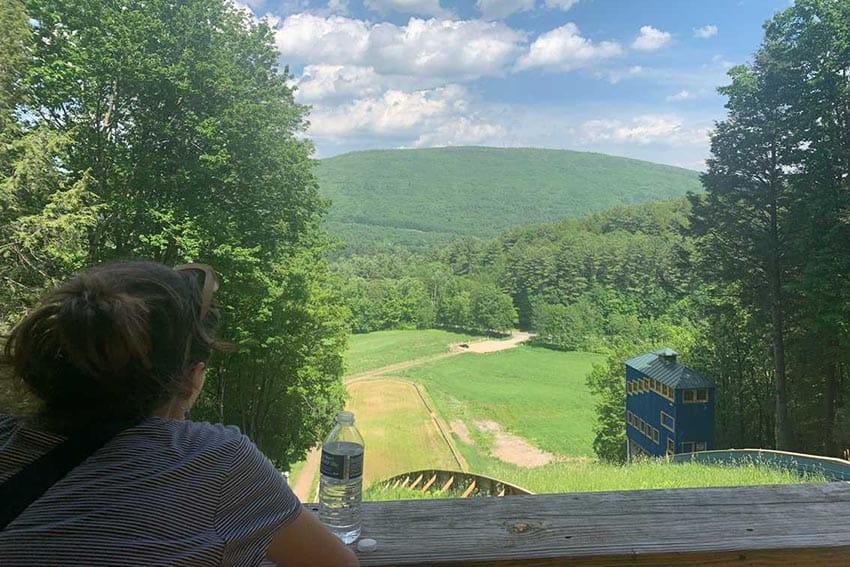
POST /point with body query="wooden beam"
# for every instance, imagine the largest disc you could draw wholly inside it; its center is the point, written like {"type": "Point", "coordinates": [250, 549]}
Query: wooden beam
{"type": "Point", "coordinates": [760, 526]}
{"type": "Point", "coordinates": [416, 482]}
{"type": "Point", "coordinates": [448, 484]}
{"type": "Point", "coordinates": [469, 490]}
{"type": "Point", "coordinates": [429, 483]}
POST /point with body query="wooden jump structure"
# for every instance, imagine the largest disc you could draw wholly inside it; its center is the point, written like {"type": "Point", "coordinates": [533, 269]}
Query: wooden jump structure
{"type": "Point", "coordinates": [454, 483]}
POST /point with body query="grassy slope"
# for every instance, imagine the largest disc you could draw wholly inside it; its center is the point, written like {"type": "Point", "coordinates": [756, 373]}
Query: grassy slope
{"type": "Point", "coordinates": [535, 393]}
{"type": "Point", "coordinates": [382, 348]}
{"type": "Point", "coordinates": [399, 433]}
{"type": "Point", "coordinates": [429, 195]}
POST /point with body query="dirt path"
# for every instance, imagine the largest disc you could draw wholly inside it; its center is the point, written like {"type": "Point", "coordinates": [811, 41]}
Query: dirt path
{"type": "Point", "coordinates": [483, 347]}
{"type": "Point", "coordinates": [396, 367]}
{"type": "Point", "coordinates": [513, 449]}
{"type": "Point", "coordinates": [478, 347]}
{"type": "Point", "coordinates": [305, 483]}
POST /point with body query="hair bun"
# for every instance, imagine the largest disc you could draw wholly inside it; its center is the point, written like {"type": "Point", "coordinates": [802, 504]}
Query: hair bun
{"type": "Point", "coordinates": [102, 330]}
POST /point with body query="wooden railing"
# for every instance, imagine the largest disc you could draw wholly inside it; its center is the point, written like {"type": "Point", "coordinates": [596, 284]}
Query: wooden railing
{"type": "Point", "coordinates": [767, 525]}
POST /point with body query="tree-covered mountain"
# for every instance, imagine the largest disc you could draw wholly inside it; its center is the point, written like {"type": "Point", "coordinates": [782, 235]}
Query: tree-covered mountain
{"type": "Point", "coordinates": [418, 198]}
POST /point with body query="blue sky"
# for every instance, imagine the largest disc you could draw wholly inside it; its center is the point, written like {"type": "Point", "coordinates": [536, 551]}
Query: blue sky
{"type": "Point", "coordinates": [634, 78]}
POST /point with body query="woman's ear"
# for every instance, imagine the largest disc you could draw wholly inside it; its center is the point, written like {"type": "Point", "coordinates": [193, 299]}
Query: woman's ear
{"type": "Point", "coordinates": [196, 380]}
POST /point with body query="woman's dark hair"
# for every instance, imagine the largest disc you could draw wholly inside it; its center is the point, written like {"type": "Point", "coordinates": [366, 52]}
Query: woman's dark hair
{"type": "Point", "coordinates": [114, 342]}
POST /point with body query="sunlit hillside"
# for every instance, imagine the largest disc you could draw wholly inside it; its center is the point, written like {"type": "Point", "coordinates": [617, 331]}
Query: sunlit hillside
{"type": "Point", "coordinates": [416, 198]}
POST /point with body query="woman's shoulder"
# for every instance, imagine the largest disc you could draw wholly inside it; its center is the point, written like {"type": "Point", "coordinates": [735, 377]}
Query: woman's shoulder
{"type": "Point", "coordinates": [187, 433]}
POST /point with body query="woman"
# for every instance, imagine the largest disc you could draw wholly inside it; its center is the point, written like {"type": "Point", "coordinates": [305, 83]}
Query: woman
{"type": "Point", "coordinates": [110, 472]}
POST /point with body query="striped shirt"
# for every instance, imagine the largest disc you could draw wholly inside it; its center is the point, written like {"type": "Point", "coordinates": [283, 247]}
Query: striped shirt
{"type": "Point", "coordinates": [166, 492]}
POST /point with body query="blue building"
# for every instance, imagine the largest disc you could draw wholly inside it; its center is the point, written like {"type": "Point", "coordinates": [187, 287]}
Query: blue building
{"type": "Point", "coordinates": [669, 407]}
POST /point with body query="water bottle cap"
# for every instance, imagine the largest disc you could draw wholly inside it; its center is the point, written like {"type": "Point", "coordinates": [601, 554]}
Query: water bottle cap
{"type": "Point", "coordinates": [367, 545]}
{"type": "Point", "coordinates": [345, 417]}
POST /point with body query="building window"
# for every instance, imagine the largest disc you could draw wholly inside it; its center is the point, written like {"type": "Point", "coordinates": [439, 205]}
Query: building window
{"type": "Point", "coordinates": [645, 385]}
{"type": "Point", "coordinates": [668, 422]}
{"type": "Point", "coordinates": [700, 446]}
{"type": "Point", "coordinates": [687, 446]}
{"type": "Point", "coordinates": [630, 417]}
{"type": "Point", "coordinates": [671, 446]}
{"type": "Point", "coordinates": [655, 435]}
{"type": "Point", "coordinates": [699, 396]}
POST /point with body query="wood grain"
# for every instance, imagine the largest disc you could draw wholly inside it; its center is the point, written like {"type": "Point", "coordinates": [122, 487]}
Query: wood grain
{"type": "Point", "coordinates": [768, 525]}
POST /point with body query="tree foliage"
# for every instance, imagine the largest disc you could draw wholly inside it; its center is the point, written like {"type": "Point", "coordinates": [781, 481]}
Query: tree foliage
{"type": "Point", "coordinates": [168, 131]}
{"type": "Point", "coordinates": [772, 231]}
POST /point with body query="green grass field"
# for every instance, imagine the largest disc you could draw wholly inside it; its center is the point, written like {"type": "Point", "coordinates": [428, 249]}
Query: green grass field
{"type": "Point", "coordinates": [538, 394]}
{"type": "Point", "coordinates": [376, 350]}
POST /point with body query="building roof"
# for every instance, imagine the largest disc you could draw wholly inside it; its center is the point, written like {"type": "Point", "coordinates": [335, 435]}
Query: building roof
{"type": "Point", "coordinates": [671, 373]}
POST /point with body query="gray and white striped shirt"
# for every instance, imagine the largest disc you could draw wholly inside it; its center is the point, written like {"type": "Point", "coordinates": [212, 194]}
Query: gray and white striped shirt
{"type": "Point", "coordinates": [164, 493]}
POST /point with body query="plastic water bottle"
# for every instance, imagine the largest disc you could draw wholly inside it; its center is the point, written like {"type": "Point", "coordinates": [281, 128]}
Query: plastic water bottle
{"type": "Point", "coordinates": [341, 483]}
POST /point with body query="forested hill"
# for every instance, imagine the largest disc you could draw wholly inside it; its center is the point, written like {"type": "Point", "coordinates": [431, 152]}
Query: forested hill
{"type": "Point", "coordinates": [417, 198]}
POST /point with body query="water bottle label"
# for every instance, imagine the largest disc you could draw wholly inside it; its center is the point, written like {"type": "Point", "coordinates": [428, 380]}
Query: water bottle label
{"type": "Point", "coordinates": [342, 467]}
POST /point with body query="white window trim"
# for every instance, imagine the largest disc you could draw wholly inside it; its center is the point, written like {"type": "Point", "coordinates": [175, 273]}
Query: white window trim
{"type": "Point", "coordinates": [664, 425]}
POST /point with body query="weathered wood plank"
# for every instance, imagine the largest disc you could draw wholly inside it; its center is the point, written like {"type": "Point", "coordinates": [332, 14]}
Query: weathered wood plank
{"type": "Point", "coordinates": [773, 525]}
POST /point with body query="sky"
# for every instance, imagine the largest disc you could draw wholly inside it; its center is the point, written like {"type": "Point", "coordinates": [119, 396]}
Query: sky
{"type": "Point", "coordinates": [634, 78]}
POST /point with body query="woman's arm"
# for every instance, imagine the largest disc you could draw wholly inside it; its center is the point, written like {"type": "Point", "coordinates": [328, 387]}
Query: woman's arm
{"type": "Point", "coordinates": [305, 542]}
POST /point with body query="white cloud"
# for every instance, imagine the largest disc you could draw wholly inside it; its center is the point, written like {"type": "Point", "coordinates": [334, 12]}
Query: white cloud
{"type": "Point", "coordinates": [683, 94]}
{"type": "Point", "coordinates": [449, 50]}
{"type": "Point", "coordinates": [431, 117]}
{"type": "Point", "coordinates": [651, 39]}
{"type": "Point", "coordinates": [319, 82]}
{"type": "Point", "coordinates": [463, 131]}
{"type": "Point", "coordinates": [614, 76]}
{"type": "Point", "coordinates": [720, 61]}
{"type": "Point", "coordinates": [420, 7]}
{"type": "Point", "coordinates": [498, 9]}
{"type": "Point", "coordinates": [705, 32]}
{"type": "Point", "coordinates": [394, 113]}
{"type": "Point", "coordinates": [337, 7]}
{"type": "Point", "coordinates": [307, 38]}
{"type": "Point", "coordinates": [560, 4]}
{"type": "Point", "coordinates": [564, 49]}
{"type": "Point", "coordinates": [644, 129]}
